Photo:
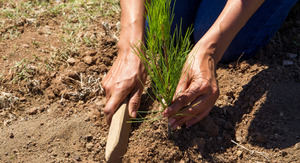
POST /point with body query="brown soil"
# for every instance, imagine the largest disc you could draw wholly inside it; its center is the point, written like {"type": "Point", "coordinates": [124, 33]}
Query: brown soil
{"type": "Point", "coordinates": [50, 105]}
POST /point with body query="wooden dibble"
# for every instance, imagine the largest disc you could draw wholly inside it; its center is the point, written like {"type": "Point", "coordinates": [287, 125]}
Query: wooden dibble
{"type": "Point", "coordinates": [118, 136]}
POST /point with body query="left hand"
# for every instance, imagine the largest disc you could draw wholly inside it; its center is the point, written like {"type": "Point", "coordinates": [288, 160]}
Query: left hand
{"type": "Point", "coordinates": [197, 90]}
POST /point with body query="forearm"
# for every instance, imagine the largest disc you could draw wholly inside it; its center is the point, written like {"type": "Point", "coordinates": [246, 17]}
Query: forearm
{"type": "Point", "coordinates": [132, 22]}
{"type": "Point", "coordinates": [234, 16]}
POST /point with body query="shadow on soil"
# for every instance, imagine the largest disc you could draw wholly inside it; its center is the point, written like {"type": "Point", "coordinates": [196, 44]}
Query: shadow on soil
{"type": "Point", "coordinates": [276, 99]}
{"type": "Point", "coordinates": [273, 95]}
{"type": "Point", "coordinates": [146, 103]}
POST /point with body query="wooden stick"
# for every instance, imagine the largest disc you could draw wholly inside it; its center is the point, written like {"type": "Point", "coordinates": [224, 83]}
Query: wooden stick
{"type": "Point", "coordinates": [118, 136]}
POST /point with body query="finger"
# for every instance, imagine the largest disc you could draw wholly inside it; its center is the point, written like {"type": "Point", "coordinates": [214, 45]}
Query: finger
{"type": "Point", "coordinates": [188, 113]}
{"type": "Point", "coordinates": [197, 119]}
{"type": "Point", "coordinates": [107, 93]}
{"type": "Point", "coordinates": [134, 102]}
{"type": "Point", "coordinates": [180, 121]}
{"type": "Point", "coordinates": [182, 85]}
{"type": "Point", "coordinates": [195, 90]}
{"type": "Point", "coordinates": [202, 108]}
{"type": "Point", "coordinates": [106, 89]}
{"type": "Point", "coordinates": [112, 105]}
{"type": "Point", "coordinates": [106, 77]}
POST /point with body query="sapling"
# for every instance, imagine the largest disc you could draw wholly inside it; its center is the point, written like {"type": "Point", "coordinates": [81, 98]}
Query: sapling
{"type": "Point", "coordinates": [165, 50]}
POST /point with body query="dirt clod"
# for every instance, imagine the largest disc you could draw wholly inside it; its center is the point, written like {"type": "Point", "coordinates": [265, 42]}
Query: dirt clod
{"type": "Point", "coordinates": [33, 110]}
{"type": "Point", "coordinates": [91, 53]}
{"type": "Point", "coordinates": [77, 158]}
{"type": "Point", "coordinates": [72, 61]}
{"type": "Point", "coordinates": [89, 60]}
{"type": "Point", "coordinates": [89, 146]}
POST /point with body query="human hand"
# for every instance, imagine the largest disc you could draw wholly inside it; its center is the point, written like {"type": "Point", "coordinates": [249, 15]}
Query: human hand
{"type": "Point", "coordinates": [197, 90]}
{"type": "Point", "coordinates": [125, 79]}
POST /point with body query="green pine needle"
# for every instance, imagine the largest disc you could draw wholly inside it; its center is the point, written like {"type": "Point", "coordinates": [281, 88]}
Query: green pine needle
{"type": "Point", "coordinates": [165, 53]}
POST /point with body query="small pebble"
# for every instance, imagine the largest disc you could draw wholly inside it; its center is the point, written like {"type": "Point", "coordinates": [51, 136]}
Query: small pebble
{"type": "Point", "coordinates": [33, 110]}
{"type": "Point", "coordinates": [283, 153]}
{"type": "Point", "coordinates": [89, 146]}
{"type": "Point", "coordinates": [11, 135]}
{"type": "Point", "coordinates": [71, 61]}
{"type": "Point", "coordinates": [77, 158]}
{"type": "Point", "coordinates": [239, 153]}
{"type": "Point", "coordinates": [91, 53]}
{"type": "Point", "coordinates": [88, 60]}
{"type": "Point", "coordinates": [25, 45]}
{"type": "Point", "coordinates": [67, 154]}
{"type": "Point", "coordinates": [89, 138]}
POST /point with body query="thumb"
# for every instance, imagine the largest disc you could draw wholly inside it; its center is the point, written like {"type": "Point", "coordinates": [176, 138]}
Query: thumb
{"type": "Point", "coordinates": [134, 102]}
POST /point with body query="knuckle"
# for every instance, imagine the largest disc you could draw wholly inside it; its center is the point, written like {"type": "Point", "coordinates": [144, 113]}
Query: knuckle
{"type": "Point", "coordinates": [105, 86]}
{"type": "Point", "coordinates": [206, 84]}
{"type": "Point", "coordinates": [215, 91]}
{"type": "Point", "coordinates": [182, 99]}
{"type": "Point", "coordinates": [123, 86]}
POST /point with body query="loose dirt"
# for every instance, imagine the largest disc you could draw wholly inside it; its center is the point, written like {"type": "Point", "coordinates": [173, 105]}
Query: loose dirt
{"type": "Point", "coordinates": [51, 98]}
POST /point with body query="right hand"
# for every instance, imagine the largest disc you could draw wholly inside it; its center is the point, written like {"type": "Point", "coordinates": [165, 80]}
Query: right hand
{"type": "Point", "coordinates": [126, 78]}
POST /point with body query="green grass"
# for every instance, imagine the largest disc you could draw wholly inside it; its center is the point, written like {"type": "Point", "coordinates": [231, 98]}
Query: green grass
{"type": "Point", "coordinates": [22, 71]}
{"type": "Point", "coordinates": [165, 53]}
{"type": "Point", "coordinates": [76, 15]}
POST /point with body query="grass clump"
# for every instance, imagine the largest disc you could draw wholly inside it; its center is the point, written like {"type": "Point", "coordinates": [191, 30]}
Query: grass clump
{"type": "Point", "coordinates": [165, 50]}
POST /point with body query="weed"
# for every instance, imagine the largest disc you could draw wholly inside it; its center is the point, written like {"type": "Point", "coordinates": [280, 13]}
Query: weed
{"type": "Point", "coordinates": [90, 41]}
{"type": "Point", "coordinates": [4, 57]}
{"type": "Point", "coordinates": [59, 57]}
{"type": "Point", "coordinates": [36, 44]}
{"type": "Point", "coordinates": [22, 71]}
{"type": "Point", "coordinates": [7, 100]}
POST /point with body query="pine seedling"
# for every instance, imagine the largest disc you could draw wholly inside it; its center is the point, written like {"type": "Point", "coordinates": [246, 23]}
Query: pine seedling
{"type": "Point", "coordinates": [165, 51]}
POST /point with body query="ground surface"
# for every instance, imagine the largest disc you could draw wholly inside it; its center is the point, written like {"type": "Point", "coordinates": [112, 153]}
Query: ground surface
{"type": "Point", "coordinates": [54, 55]}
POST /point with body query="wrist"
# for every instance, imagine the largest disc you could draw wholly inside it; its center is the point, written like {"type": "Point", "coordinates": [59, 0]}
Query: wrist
{"type": "Point", "coordinates": [127, 54]}
{"type": "Point", "coordinates": [130, 40]}
{"type": "Point", "coordinates": [207, 49]}
{"type": "Point", "coordinates": [132, 32]}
